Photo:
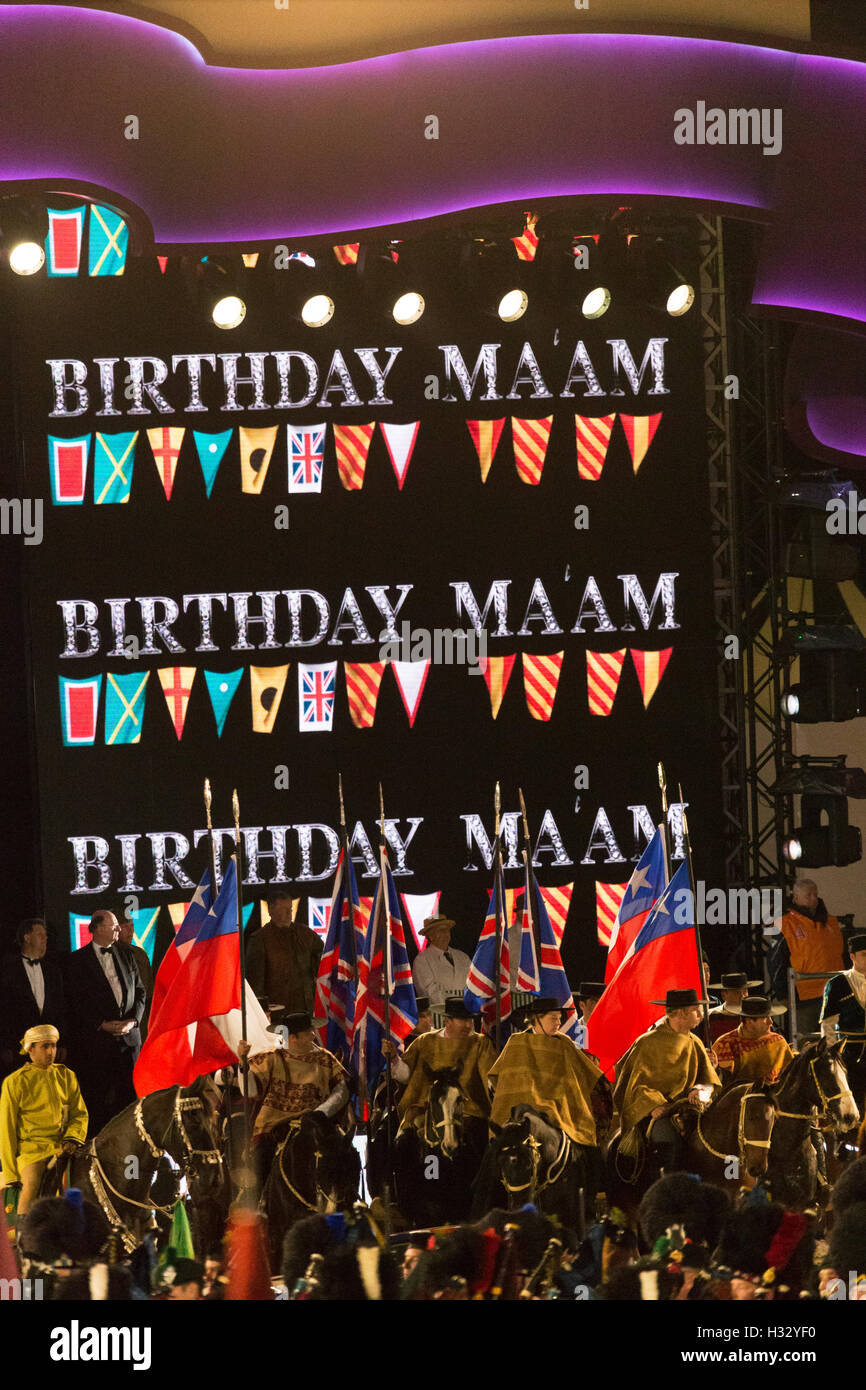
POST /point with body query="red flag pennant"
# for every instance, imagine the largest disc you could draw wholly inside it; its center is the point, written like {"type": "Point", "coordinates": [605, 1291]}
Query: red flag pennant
{"type": "Point", "coordinates": [541, 681]}
{"type": "Point", "coordinates": [363, 679]}
{"type": "Point", "coordinates": [176, 682]}
{"type": "Point", "coordinates": [603, 670]}
{"type": "Point", "coordinates": [497, 673]}
{"type": "Point", "coordinates": [400, 443]}
{"type": "Point", "coordinates": [485, 436]}
{"type": "Point", "coordinates": [593, 438]}
{"type": "Point", "coordinates": [608, 897]}
{"type": "Point", "coordinates": [650, 667]}
{"type": "Point", "coordinates": [639, 432]}
{"type": "Point", "coordinates": [162, 262]}
{"type": "Point", "coordinates": [531, 438]}
{"type": "Point", "coordinates": [411, 677]}
{"type": "Point", "coordinates": [352, 443]}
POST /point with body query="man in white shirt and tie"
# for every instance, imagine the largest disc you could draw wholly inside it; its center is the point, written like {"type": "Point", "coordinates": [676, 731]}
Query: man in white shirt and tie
{"type": "Point", "coordinates": [105, 998]}
{"type": "Point", "coordinates": [440, 971]}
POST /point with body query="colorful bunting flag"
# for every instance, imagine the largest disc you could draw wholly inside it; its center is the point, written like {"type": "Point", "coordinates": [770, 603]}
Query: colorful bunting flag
{"type": "Point", "coordinates": [496, 671]}
{"type": "Point", "coordinates": [400, 443]}
{"type": "Point", "coordinates": [650, 667]}
{"type": "Point", "coordinates": [250, 259]}
{"type": "Point", "coordinates": [306, 445]}
{"type": "Point", "coordinates": [557, 901]}
{"type": "Point", "coordinates": [485, 436]}
{"type": "Point", "coordinates": [108, 240]}
{"type": "Point", "coordinates": [418, 907]}
{"type": "Point", "coordinates": [162, 262]}
{"type": "Point", "coordinates": [113, 460]}
{"type": "Point", "coordinates": [67, 464]}
{"type": "Point", "coordinates": [352, 443]}
{"type": "Point", "coordinates": [319, 915]}
{"type": "Point", "coordinates": [176, 682]}
{"type": "Point", "coordinates": [144, 928]}
{"type": "Point", "coordinates": [222, 688]}
{"type": "Point", "coordinates": [603, 670]}
{"type": "Point", "coordinates": [411, 677]}
{"type": "Point", "coordinates": [608, 897]}
{"type": "Point", "coordinates": [363, 679]}
{"type": "Point", "coordinates": [211, 449]}
{"type": "Point", "coordinates": [124, 707]}
{"type": "Point", "coordinates": [79, 931]}
{"type": "Point", "coordinates": [593, 438]}
{"type": "Point", "coordinates": [177, 912]}
{"type": "Point", "coordinates": [348, 254]}
{"type": "Point", "coordinates": [526, 244]}
{"type": "Point", "coordinates": [165, 442]}
{"type": "Point", "coordinates": [63, 243]}
{"type": "Point", "coordinates": [531, 438]}
{"type": "Point", "coordinates": [639, 432]}
{"type": "Point", "coordinates": [79, 706]}
{"type": "Point", "coordinates": [257, 447]}
{"type": "Point", "coordinates": [267, 684]}
{"type": "Point", "coordinates": [540, 682]}
{"type": "Point", "coordinates": [317, 688]}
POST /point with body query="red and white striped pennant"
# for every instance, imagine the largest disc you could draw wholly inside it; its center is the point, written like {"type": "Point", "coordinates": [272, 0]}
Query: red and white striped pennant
{"type": "Point", "coordinates": [352, 443]}
{"type": "Point", "coordinates": [608, 897]}
{"type": "Point", "coordinates": [557, 901]}
{"type": "Point", "coordinates": [603, 670]}
{"type": "Point", "coordinates": [363, 679]}
{"type": "Point", "coordinates": [593, 438]}
{"type": "Point", "coordinates": [531, 438]}
{"type": "Point", "coordinates": [540, 681]}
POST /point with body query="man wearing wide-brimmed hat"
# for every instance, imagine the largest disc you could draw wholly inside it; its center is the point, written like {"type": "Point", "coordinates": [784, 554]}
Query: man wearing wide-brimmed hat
{"type": "Point", "coordinates": [667, 1064]}
{"type": "Point", "coordinates": [41, 1114]}
{"type": "Point", "coordinates": [440, 971]}
{"type": "Point", "coordinates": [752, 1051]}
{"type": "Point", "coordinates": [455, 1046]}
{"type": "Point", "coordinates": [733, 988]}
{"type": "Point", "coordinates": [543, 1069]}
{"type": "Point", "coordinates": [843, 1015]}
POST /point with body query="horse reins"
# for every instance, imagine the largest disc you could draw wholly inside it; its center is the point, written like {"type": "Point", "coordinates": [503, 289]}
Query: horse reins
{"type": "Point", "coordinates": [311, 1206]}
{"type": "Point", "coordinates": [742, 1140]}
{"type": "Point", "coordinates": [554, 1171]}
{"type": "Point", "coordinates": [825, 1099]}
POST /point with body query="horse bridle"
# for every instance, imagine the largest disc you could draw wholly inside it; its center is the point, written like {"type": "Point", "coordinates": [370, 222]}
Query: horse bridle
{"type": "Point", "coordinates": [319, 1192]}
{"type": "Point", "coordinates": [742, 1141]}
{"type": "Point", "coordinates": [436, 1140]}
{"type": "Point", "coordinates": [554, 1171]}
{"type": "Point", "coordinates": [825, 1099]}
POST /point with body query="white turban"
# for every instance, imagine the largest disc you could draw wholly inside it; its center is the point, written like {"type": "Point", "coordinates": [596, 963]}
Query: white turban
{"type": "Point", "coordinates": [43, 1032]}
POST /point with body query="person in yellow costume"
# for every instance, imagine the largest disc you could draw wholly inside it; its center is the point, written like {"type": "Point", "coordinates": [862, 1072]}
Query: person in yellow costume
{"type": "Point", "coordinates": [41, 1114]}
{"type": "Point", "coordinates": [542, 1069]}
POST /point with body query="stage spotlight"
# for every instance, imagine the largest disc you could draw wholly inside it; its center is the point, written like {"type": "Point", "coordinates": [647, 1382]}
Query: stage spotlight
{"type": "Point", "coordinates": [24, 227]}
{"type": "Point", "coordinates": [818, 842]}
{"type": "Point", "coordinates": [680, 300]}
{"type": "Point", "coordinates": [832, 684]}
{"type": "Point", "coordinates": [408, 308]}
{"type": "Point", "coordinates": [317, 310]}
{"type": "Point", "coordinates": [657, 278]}
{"type": "Point", "coordinates": [229, 311]}
{"type": "Point", "coordinates": [513, 305]}
{"type": "Point", "coordinates": [596, 303]}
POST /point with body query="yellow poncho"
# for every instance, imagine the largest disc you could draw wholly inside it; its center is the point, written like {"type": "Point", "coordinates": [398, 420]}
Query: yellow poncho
{"type": "Point", "coordinates": [472, 1057]}
{"type": "Point", "coordinates": [661, 1066]}
{"type": "Point", "coordinates": [552, 1076]}
{"type": "Point", "coordinates": [39, 1109]}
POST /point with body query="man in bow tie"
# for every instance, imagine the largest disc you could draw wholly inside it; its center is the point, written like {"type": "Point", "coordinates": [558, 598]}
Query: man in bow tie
{"type": "Point", "coordinates": [31, 991]}
{"type": "Point", "coordinates": [106, 1003]}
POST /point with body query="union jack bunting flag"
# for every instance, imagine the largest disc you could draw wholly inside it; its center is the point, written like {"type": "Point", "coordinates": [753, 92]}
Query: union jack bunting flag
{"type": "Point", "coordinates": [319, 915]}
{"type": "Point", "coordinates": [306, 454]}
{"type": "Point", "coordinates": [383, 975]}
{"type": "Point", "coordinates": [480, 991]}
{"type": "Point", "coordinates": [334, 1010]}
{"type": "Point", "coordinates": [316, 691]}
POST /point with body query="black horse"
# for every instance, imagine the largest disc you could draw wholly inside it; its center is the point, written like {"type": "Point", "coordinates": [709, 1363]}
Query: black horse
{"type": "Point", "coordinates": [316, 1168]}
{"type": "Point", "coordinates": [530, 1160]}
{"type": "Point", "coordinates": [434, 1169]}
{"type": "Point", "coordinates": [119, 1168]}
{"type": "Point", "coordinates": [813, 1086]}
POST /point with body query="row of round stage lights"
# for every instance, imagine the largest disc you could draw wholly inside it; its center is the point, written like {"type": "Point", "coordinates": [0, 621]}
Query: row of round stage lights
{"type": "Point", "coordinates": [318, 310]}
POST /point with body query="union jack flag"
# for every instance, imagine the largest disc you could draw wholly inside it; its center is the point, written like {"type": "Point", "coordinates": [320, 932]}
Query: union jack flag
{"type": "Point", "coordinates": [316, 692]}
{"type": "Point", "coordinates": [320, 915]}
{"type": "Point", "coordinates": [480, 991]}
{"type": "Point", "coordinates": [334, 1009]}
{"type": "Point", "coordinates": [552, 979]}
{"type": "Point", "coordinates": [527, 967]}
{"type": "Point", "coordinates": [384, 983]}
{"type": "Point", "coordinates": [306, 452]}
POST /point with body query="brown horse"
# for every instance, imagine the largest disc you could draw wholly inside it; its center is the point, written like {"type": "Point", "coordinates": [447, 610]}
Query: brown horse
{"type": "Point", "coordinates": [728, 1144]}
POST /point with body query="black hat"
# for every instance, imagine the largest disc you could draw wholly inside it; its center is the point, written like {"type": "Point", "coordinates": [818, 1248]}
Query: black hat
{"type": "Point", "coordinates": [757, 1006]}
{"type": "Point", "coordinates": [737, 980]}
{"type": "Point", "coordinates": [297, 1023]}
{"type": "Point", "coordinates": [680, 999]}
{"type": "Point", "coordinates": [182, 1271]}
{"type": "Point", "coordinates": [455, 1008]}
{"type": "Point", "coordinates": [857, 942]}
{"type": "Point", "coordinates": [541, 1004]}
{"type": "Point", "coordinates": [589, 989]}
{"type": "Point", "coordinates": [423, 1004]}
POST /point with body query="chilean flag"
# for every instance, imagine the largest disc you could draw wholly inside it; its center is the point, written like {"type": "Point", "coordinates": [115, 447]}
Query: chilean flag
{"type": "Point", "coordinates": [643, 890]}
{"type": "Point", "coordinates": [663, 956]}
{"type": "Point", "coordinates": [195, 1018]}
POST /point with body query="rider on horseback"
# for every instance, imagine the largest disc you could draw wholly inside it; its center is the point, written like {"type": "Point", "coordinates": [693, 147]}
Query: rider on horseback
{"type": "Point", "coordinates": [666, 1066]}
{"type": "Point", "coordinates": [753, 1052]}
{"type": "Point", "coordinates": [455, 1045]}
{"type": "Point", "coordinates": [543, 1070]}
{"type": "Point", "coordinates": [843, 1015]}
{"type": "Point", "coordinates": [41, 1114]}
{"type": "Point", "coordinates": [303, 1078]}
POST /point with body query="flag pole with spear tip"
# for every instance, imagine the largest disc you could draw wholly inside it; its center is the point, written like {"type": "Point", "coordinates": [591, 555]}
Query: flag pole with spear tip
{"type": "Point", "coordinates": [529, 906]}
{"type": "Point", "coordinates": [245, 1070]}
{"type": "Point", "coordinates": [208, 799]}
{"type": "Point", "coordinates": [688, 846]}
{"type": "Point", "coordinates": [497, 879]}
{"type": "Point", "coordinates": [387, 985]}
{"type": "Point", "coordinates": [664, 791]}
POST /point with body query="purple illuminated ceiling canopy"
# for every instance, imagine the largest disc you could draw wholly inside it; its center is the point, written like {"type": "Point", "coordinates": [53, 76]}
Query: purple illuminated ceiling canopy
{"type": "Point", "coordinates": [228, 155]}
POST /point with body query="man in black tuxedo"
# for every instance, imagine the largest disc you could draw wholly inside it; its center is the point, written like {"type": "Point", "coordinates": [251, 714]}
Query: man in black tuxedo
{"type": "Point", "coordinates": [105, 1000]}
{"type": "Point", "coordinates": [31, 992]}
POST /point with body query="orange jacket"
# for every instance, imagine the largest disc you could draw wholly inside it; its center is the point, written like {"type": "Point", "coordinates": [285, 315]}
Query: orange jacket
{"type": "Point", "coordinates": [812, 947]}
